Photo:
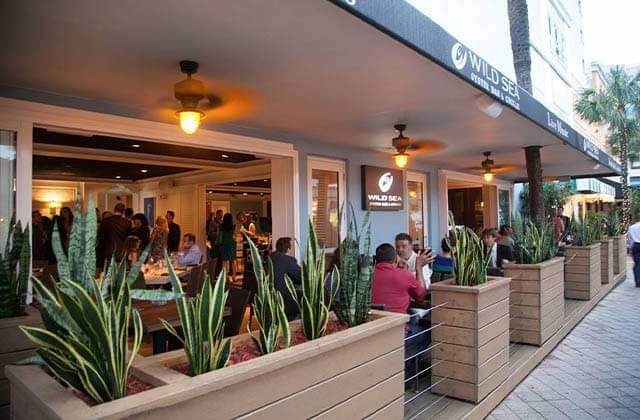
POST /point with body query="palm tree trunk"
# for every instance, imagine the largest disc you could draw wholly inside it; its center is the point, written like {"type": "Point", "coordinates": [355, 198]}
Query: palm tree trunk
{"type": "Point", "coordinates": [624, 179]}
{"type": "Point", "coordinates": [520, 42]}
{"type": "Point", "coordinates": [534, 174]}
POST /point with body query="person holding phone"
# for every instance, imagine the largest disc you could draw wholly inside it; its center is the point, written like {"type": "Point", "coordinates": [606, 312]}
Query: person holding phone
{"type": "Point", "coordinates": [407, 258]}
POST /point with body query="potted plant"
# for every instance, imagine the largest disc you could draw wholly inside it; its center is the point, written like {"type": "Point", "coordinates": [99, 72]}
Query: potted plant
{"type": "Point", "coordinates": [537, 285]}
{"type": "Point", "coordinates": [15, 260]}
{"type": "Point", "coordinates": [273, 371]}
{"type": "Point", "coordinates": [616, 232]}
{"type": "Point", "coordinates": [582, 268]}
{"type": "Point", "coordinates": [606, 247]}
{"type": "Point", "coordinates": [471, 327]}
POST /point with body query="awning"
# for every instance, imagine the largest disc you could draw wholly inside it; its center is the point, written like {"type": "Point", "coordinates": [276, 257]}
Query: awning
{"type": "Point", "coordinates": [593, 186]}
{"type": "Point", "coordinates": [402, 21]}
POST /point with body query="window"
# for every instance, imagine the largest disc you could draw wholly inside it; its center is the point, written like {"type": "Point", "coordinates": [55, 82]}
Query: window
{"type": "Point", "coordinates": [7, 181]}
{"type": "Point", "coordinates": [504, 208]}
{"type": "Point", "coordinates": [635, 164]}
{"type": "Point", "coordinates": [558, 42]}
{"type": "Point", "coordinates": [326, 187]}
{"type": "Point", "coordinates": [416, 202]}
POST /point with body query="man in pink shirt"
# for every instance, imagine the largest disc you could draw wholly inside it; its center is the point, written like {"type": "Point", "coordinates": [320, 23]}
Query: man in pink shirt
{"type": "Point", "coordinates": [393, 287]}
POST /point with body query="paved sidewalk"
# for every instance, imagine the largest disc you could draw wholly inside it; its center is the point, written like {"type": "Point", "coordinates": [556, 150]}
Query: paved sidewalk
{"type": "Point", "coordinates": [593, 373]}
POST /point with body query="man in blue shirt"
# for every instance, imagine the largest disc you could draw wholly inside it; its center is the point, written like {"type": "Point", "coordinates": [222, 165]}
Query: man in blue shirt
{"type": "Point", "coordinates": [191, 253]}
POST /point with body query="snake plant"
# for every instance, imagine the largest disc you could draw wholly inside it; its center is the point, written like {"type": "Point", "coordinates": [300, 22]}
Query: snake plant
{"type": "Point", "coordinates": [534, 244]}
{"type": "Point", "coordinates": [354, 296]}
{"type": "Point", "coordinates": [202, 324]}
{"type": "Point", "coordinates": [585, 231]}
{"type": "Point", "coordinates": [14, 271]}
{"type": "Point", "coordinates": [614, 225]}
{"type": "Point", "coordinates": [268, 306]}
{"type": "Point", "coordinates": [470, 261]}
{"type": "Point", "coordinates": [315, 303]}
{"type": "Point", "coordinates": [87, 348]}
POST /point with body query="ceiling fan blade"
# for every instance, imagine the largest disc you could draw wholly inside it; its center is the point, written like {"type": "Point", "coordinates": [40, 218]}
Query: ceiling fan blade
{"type": "Point", "coordinates": [427, 146]}
{"type": "Point", "coordinates": [500, 169]}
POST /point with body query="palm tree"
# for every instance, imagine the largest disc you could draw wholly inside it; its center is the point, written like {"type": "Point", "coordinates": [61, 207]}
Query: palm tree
{"type": "Point", "coordinates": [617, 106]}
{"type": "Point", "coordinates": [520, 41]}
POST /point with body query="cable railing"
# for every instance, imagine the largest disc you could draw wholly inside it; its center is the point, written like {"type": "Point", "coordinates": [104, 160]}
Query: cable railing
{"type": "Point", "coordinates": [419, 365]}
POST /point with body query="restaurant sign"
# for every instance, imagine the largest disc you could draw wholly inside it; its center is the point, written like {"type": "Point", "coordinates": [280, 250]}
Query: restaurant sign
{"type": "Point", "coordinates": [382, 189]}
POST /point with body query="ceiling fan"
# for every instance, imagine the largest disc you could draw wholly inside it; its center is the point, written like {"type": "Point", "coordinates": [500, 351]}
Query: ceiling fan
{"type": "Point", "coordinates": [215, 100]}
{"type": "Point", "coordinates": [402, 144]}
{"type": "Point", "coordinates": [490, 169]}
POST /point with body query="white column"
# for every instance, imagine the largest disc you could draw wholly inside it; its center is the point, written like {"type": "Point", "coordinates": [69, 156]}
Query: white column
{"type": "Point", "coordinates": [283, 200]}
{"type": "Point", "coordinates": [443, 198]}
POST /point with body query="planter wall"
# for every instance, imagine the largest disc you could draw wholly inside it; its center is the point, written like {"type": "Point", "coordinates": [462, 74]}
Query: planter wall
{"type": "Point", "coordinates": [14, 346]}
{"type": "Point", "coordinates": [606, 261]}
{"type": "Point", "coordinates": [619, 254]}
{"type": "Point", "coordinates": [348, 374]}
{"type": "Point", "coordinates": [471, 347]}
{"type": "Point", "coordinates": [582, 271]}
{"type": "Point", "coordinates": [536, 301]}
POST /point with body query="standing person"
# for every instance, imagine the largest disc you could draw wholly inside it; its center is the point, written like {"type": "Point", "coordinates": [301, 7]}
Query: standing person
{"type": "Point", "coordinates": [227, 243]}
{"type": "Point", "coordinates": [159, 237]}
{"type": "Point", "coordinates": [128, 213]}
{"type": "Point", "coordinates": [173, 241]}
{"type": "Point", "coordinates": [140, 229]}
{"type": "Point", "coordinates": [212, 233]}
{"type": "Point", "coordinates": [558, 225]}
{"type": "Point", "coordinates": [633, 238]}
{"type": "Point", "coordinates": [408, 257]}
{"type": "Point", "coordinates": [38, 236]}
{"type": "Point", "coordinates": [67, 220]}
{"type": "Point", "coordinates": [111, 235]}
{"type": "Point", "coordinates": [241, 219]}
{"type": "Point", "coordinates": [506, 237]}
{"type": "Point", "coordinates": [284, 262]}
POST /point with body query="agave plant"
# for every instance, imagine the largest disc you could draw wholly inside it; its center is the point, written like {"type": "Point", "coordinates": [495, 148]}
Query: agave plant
{"type": "Point", "coordinates": [314, 304]}
{"type": "Point", "coordinates": [202, 324]}
{"type": "Point", "coordinates": [534, 244]}
{"type": "Point", "coordinates": [614, 225]}
{"type": "Point", "coordinates": [88, 348]}
{"type": "Point", "coordinates": [14, 271]}
{"type": "Point", "coordinates": [584, 231]}
{"type": "Point", "coordinates": [469, 258]}
{"type": "Point", "coordinates": [268, 306]}
{"type": "Point", "coordinates": [354, 297]}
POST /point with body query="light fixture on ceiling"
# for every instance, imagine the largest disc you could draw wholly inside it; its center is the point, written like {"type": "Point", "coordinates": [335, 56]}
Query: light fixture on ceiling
{"type": "Point", "coordinates": [225, 156]}
{"type": "Point", "coordinates": [189, 92]}
{"type": "Point", "coordinates": [118, 177]}
{"type": "Point", "coordinates": [244, 193]}
{"type": "Point", "coordinates": [135, 146]}
{"type": "Point", "coordinates": [401, 144]}
{"type": "Point", "coordinates": [489, 106]}
{"type": "Point", "coordinates": [487, 166]}
{"type": "Point", "coordinates": [144, 171]}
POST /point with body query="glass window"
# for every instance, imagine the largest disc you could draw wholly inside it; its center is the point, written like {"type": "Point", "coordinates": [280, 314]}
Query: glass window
{"type": "Point", "coordinates": [7, 181]}
{"type": "Point", "coordinates": [325, 206]}
{"type": "Point", "coordinates": [504, 208]}
{"type": "Point", "coordinates": [416, 212]}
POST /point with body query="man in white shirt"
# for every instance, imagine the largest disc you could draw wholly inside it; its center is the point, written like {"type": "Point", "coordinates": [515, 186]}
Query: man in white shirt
{"type": "Point", "coordinates": [633, 238]}
{"type": "Point", "coordinates": [489, 241]}
{"type": "Point", "coordinates": [408, 257]}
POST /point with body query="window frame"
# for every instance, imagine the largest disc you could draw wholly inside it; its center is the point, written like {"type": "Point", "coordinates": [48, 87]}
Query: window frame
{"type": "Point", "coordinates": [421, 178]}
{"type": "Point", "coordinates": [332, 165]}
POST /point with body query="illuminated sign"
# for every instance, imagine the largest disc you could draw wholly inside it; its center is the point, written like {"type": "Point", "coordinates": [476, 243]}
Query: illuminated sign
{"type": "Point", "coordinates": [382, 189]}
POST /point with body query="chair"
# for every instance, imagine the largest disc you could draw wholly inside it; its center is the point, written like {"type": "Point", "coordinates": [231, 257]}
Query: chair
{"type": "Point", "coordinates": [194, 281]}
{"type": "Point", "coordinates": [212, 269]}
{"type": "Point", "coordinates": [238, 300]}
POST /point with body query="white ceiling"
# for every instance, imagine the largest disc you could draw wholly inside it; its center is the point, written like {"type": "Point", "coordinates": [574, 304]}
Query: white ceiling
{"type": "Point", "coordinates": [303, 69]}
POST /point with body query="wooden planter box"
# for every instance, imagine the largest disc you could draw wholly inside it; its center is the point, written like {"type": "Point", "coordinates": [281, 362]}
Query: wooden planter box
{"type": "Point", "coordinates": [14, 346]}
{"type": "Point", "coordinates": [349, 374]}
{"type": "Point", "coordinates": [606, 260]}
{"type": "Point", "coordinates": [582, 271]}
{"type": "Point", "coordinates": [619, 254]}
{"type": "Point", "coordinates": [536, 301]}
{"type": "Point", "coordinates": [471, 347]}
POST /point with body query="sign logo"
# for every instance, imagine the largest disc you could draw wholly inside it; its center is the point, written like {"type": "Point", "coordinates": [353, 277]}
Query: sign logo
{"type": "Point", "coordinates": [459, 56]}
{"type": "Point", "coordinates": [385, 182]}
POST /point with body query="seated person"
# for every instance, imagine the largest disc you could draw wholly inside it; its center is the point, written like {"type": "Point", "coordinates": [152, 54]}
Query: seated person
{"type": "Point", "coordinates": [394, 287]}
{"type": "Point", "coordinates": [499, 253]}
{"type": "Point", "coordinates": [408, 257]}
{"type": "Point", "coordinates": [443, 263]}
{"type": "Point", "coordinates": [284, 262]}
{"type": "Point", "coordinates": [191, 253]}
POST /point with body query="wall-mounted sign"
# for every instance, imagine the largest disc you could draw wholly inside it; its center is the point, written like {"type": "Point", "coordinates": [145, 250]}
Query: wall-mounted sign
{"type": "Point", "coordinates": [382, 189]}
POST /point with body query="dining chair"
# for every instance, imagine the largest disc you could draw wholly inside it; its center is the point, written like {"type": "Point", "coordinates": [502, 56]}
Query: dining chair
{"type": "Point", "coordinates": [238, 300]}
{"type": "Point", "coordinates": [194, 280]}
{"type": "Point", "coordinates": [212, 266]}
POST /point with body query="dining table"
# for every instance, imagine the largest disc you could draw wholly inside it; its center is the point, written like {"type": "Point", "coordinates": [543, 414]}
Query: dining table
{"type": "Point", "coordinates": [152, 312]}
{"type": "Point", "coordinates": [155, 276]}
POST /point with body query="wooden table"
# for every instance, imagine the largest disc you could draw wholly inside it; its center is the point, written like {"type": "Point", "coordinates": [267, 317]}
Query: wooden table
{"type": "Point", "coordinates": [151, 314]}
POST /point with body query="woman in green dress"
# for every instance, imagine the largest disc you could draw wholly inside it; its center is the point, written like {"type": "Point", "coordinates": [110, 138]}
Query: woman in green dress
{"type": "Point", "coordinates": [227, 243]}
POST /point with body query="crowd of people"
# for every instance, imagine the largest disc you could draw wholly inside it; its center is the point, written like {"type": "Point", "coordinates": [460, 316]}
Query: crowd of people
{"type": "Point", "coordinates": [121, 234]}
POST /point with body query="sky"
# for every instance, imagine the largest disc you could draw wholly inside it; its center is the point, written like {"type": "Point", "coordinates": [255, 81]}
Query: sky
{"type": "Point", "coordinates": [612, 31]}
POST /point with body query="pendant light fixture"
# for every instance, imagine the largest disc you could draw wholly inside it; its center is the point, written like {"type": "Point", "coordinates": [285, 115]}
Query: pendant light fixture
{"type": "Point", "coordinates": [189, 92]}
{"type": "Point", "coordinates": [401, 144]}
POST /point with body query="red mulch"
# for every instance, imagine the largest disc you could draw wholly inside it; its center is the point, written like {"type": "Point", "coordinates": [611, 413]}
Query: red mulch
{"type": "Point", "coordinates": [134, 386]}
{"type": "Point", "coordinates": [247, 351]}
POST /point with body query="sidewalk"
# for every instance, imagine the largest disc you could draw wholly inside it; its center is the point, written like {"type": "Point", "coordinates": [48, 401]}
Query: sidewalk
{"type": "Point", "coordinates": [594, 373]}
